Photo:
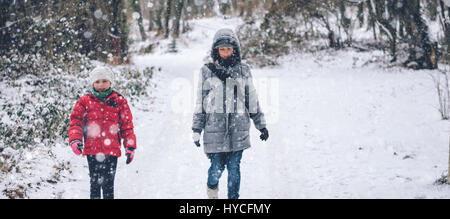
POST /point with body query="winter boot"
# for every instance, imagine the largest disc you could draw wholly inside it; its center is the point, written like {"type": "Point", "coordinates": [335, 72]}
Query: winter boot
{"type": "Point", "coordinates": [212, 193]}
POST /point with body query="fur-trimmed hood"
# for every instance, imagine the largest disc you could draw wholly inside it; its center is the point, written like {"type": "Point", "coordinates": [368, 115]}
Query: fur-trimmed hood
{"type": "Point", "coordinates": [226, 37]}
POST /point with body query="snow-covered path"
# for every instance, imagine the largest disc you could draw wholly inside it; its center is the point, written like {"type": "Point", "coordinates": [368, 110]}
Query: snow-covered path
{"type": "Point", "coordinates": [343, 131]}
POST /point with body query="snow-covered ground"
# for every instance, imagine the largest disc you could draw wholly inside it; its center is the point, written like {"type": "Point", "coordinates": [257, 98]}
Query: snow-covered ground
{"type": "Point", "coordinates": [338, 129]}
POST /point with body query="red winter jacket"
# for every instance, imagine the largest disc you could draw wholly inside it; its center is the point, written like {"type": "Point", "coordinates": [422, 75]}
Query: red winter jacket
{"type": "Point", "coordinates": [102, 124]}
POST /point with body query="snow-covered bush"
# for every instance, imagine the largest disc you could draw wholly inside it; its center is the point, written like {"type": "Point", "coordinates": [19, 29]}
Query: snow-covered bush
{"type": "Point", "coordinates": [443, 180]}
{"type": "Point", "coordinates": [261, 45]}
{"type": "Point", "coordinates": [133, 83]}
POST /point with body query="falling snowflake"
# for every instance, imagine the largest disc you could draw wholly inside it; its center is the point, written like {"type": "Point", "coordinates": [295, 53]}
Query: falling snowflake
{"type": "Point", "coordinates": [87, 34]}
{"type": "Point", "coordinates": [136, 15]}
{"type": "Point", "coordinates": [100, 157]}
{"type": "Point", "coordinates": [107, 142]}
{"type": "Point", "coordinates": [93, 130]}
{"type": "Point", "coordinates": [98, 14]}
{"type": "Point", "coordinates": [9, 23]}
{"type": "Point", "coordinates": [113, 129]}
{"type": "Point", "coordinates": [100, 180]}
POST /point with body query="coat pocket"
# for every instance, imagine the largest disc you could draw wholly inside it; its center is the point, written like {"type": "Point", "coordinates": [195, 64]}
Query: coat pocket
{"type": "Point", "coordinates": [242, 122]}
{"type": "Point", "coordinates": [213, 138]}
{"type": "Point", "coordinates": [241, 137]}
{"type": "Point", "coordinates": [216, 122]}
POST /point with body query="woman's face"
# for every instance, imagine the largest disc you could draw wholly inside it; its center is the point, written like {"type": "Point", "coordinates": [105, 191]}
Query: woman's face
{"type": "Point", "coordinates": [225, 52]}
{"type": "Point", "coordinates": [102, 85]}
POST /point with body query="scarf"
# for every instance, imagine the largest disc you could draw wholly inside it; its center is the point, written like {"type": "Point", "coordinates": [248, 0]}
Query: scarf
{"type": "Point", "coordinates": [102, 95]}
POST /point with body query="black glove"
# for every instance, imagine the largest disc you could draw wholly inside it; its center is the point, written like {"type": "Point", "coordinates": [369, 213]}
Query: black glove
{"type": "Point", "coordinates": [130, 155]}
{"type": "Point", "coordinates": [80, 147]}
{"type": "Point", "coordinates": [196, 137]}
{"type": "Point", "coordinates": [264, 134]}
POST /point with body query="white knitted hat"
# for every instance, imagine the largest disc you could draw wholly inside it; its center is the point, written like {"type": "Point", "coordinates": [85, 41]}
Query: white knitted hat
{"type": "Point", "coordinates": [101, 72]}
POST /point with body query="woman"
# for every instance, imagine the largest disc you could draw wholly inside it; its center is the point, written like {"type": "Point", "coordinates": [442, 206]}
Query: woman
{"type": "Point", "coordinates": [225, 103]}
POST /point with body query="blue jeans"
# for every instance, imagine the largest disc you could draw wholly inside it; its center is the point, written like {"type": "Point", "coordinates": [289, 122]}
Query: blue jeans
{"type": "Point", "coordinates": [218, 161]}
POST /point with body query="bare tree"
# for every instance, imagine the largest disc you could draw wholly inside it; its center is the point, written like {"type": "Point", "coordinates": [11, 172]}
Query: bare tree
{"type": "Point", "coordinates": [158, 19]}
{"type": "Point", "coordinates": [422, 52]}
{"type": "Point", "coordinates": [167, 19]}
{"type": "Point", "coordinates": [385, 17]}
{"type": "Point", "coordinates": [176, 24]}
{"type": "Point", "coordinates": [445, 23]}
{"type": "Point", "coordinates": [135, 5]}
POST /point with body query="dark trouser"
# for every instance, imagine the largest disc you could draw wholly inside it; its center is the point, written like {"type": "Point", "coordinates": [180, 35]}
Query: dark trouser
{"type": "Point", "coordinates": [102, 173]}
{"type": "Point", "coordinates": [218, 161]}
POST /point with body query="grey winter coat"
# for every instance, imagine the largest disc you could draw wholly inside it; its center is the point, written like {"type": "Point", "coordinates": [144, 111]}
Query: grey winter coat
{"type": "Point", "coordinates": [224, 108]}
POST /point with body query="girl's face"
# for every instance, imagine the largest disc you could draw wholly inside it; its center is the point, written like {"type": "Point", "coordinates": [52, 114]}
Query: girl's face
{"type": "Point", "coordinates": [102, 85]}
{"type": "Point", "coordinates": [225, 52]}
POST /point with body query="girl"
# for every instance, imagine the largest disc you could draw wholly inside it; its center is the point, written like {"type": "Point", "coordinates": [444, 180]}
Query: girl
{"type": "Point", "coordinates": [101, 119]}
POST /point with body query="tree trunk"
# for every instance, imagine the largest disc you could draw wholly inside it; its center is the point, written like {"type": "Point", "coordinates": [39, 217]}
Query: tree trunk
{"type": "Point", "coordinates": [422, 50]}
{"type": "Point", "coordinates": [332, 40]}
{"type": "Point", "coordinates": [115, 33]}
{"type": "Point", "coordinates": [150, 19]}
{"type": "Point", "coordinates": [242, 4]}
{"type": "Point", "coordinates": [372, 19]}
{"type": "Point", "coordinates": [167, 20]}
{"type": "Point", "coordinates": [158, 20]}
{"type": "Point", "coordinates": [119, 34]}
{"type": "Point", "coordinates": [137, 9]}
{"type": "Point", "coordinates": [249, 9]}
{"type": "Point", "coordinates": [224, 6]}
{"type": "Point", "coordinates": [4, 30]}
{"type": "Point", "coordinates": [123, 31]}
{"type": "Point", "coordinates": [176, 25]}
{"type": "Point", "coordinates": [445, 22]}
{"type": "Point", "coordinates": [208, 8]}
{"type": "Point", "coordinates": [345, 22]}
{"type": "Point", "coordinates": [382, 9]}
{"type": "Point", "coordinates": [234, 5]}
{"type": "Point", "coordinates": [361, 14]}
{"type": "Point", "coordinates": [22, 24]}
{"type": "Point", "coordinates": [431, 7]}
